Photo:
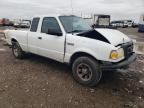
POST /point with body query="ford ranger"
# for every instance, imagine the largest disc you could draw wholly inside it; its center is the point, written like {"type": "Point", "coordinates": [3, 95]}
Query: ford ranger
{"type": "Point", "coordinates": [69, 39]}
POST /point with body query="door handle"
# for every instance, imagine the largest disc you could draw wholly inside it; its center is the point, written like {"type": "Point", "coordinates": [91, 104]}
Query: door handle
{"type": "Point", "coordinates": [39, 37]}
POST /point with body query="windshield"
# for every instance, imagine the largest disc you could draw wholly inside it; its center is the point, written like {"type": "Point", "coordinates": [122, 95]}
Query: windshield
{"type": "Point", "coordinates": [74, 24]}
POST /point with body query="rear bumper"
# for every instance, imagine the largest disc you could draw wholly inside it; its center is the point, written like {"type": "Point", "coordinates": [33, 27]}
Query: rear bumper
{"type": "Point", "coordinates": [122, 64]}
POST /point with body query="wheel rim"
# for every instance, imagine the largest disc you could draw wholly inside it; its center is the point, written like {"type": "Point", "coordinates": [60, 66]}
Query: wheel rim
{"type": "Point", "coordinates": [15, 50]}
{"type": "Point", "coordinates": [84, 72]}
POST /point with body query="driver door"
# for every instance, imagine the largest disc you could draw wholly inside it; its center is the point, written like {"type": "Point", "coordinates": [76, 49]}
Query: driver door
{"type": "Point", "coordinates": [49, 45]}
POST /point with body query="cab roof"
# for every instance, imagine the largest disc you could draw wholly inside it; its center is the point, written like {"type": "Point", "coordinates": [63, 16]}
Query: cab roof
{"type": "Point", "coordinates": [52, 15]}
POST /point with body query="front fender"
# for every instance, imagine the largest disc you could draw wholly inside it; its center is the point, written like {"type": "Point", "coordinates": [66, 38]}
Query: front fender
{"type": "Point", "coordinates": [100, 53]}
{"type": "Point", "coordinates": [86, 50]}
{"type": "Point", "coordinates": [82, 50]}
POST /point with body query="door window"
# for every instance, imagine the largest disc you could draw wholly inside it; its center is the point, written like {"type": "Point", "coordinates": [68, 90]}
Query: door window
{"type": "Point", "coordinates": [50, 23]}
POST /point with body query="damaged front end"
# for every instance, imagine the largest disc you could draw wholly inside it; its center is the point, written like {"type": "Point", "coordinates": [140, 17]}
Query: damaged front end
{"type": "Point", "coordinates": [118, 40]}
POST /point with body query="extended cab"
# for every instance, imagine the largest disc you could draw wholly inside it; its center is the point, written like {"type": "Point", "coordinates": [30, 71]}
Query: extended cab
{"type": "Point", "coordinates": [69, 39]}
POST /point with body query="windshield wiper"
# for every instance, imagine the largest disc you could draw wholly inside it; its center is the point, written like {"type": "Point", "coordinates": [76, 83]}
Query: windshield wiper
{"type": "Point", "coordinates": [74, 31]}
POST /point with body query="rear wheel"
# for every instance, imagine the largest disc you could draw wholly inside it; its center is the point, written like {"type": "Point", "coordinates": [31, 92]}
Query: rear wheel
{"type": "Point", "coordinates": [17, 51]}
{"type": "Point", "coordinates": [86, 71]}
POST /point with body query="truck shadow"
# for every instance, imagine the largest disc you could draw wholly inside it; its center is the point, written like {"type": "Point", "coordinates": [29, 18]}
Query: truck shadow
{"type": "Point", "coordinates": [48, 62]}
{"type": "Point", "coordinates": [109, 78]}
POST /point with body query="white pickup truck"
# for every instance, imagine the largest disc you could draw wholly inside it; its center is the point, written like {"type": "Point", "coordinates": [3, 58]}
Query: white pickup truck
{"type": "Point", "coordinates": [69, 39]}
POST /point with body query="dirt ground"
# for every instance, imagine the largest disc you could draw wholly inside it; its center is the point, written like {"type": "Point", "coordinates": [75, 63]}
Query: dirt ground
{"type": "Point", "coordinates": [37, 82]}
{"type": "Point", "coordinates": [133, 33]}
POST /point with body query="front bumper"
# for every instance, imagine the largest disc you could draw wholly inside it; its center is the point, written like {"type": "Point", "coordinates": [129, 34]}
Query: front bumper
{"type": "Point", "coordinates": [122, 64]}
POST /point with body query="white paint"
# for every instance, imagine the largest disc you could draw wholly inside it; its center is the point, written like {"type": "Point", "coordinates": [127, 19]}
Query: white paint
{"type": "Point", "coordinates": [115, 37]}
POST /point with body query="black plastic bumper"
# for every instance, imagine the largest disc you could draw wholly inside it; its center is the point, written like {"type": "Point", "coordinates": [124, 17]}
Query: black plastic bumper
{"type": "Point", "coordinates": [122, 64]}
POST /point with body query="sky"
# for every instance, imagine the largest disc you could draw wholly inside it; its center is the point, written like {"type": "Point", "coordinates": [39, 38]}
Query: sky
{"type": "Point", "coordinates": [118, 9]}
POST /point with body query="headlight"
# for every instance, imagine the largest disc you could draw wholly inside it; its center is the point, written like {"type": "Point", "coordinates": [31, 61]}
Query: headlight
{"type": "Point", "coordinates": [116, 54]}
{"type": "Point", "coordinates": [120, 53]}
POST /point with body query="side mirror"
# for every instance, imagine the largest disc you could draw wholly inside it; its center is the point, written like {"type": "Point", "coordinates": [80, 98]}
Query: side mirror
{"type": "Point", "coordinates": [54, 32]}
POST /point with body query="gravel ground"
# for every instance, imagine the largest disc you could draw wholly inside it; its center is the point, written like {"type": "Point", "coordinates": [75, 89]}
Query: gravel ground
{"type": "Point", "coordinates": [37, 82]}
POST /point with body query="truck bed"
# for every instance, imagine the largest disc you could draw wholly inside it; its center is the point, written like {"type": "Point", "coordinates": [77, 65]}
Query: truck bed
{"type": "Point", "coordinates": [20, 35]}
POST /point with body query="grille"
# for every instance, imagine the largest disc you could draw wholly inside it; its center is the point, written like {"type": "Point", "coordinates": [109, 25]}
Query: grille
{"type": "Point", "coordinates": [128, 49]}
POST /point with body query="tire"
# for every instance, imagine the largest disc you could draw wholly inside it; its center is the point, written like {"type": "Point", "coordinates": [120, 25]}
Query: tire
{"type": "Point", "coordinates": [86, 71]}
{"type": "Point", "coordinates": [17, 51]}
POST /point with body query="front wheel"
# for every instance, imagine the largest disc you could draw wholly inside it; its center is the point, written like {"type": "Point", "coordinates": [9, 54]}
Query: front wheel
{"type": "Point", "coordinates": [17, 51]}
{"type": "Point", "coordinates": [86, 71]}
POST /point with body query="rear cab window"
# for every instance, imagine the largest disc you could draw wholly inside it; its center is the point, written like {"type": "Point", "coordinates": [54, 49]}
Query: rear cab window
{"type": "Point", "coordinates": [34, 24]}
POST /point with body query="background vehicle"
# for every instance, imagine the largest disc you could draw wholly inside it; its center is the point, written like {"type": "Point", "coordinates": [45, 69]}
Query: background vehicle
{"type": "Point", "coordinates": [16, 24]}
{"type": "Point", "coordinates": [98, 20]}
{"type": "Point", "coordinates": [1, 22]}
{"type": "Point", "coordinates": [122, 24]}
{"type": "Point", "coordinates": [69, 39]}
{"type": "Point", "coordinates": [5, 22]}
{"type": "Point", "coordinates": [141, 24]}
{"type": "Point", "coordinates": [24, 24]}
{"type": "Point", "coordinates": [130, 23]}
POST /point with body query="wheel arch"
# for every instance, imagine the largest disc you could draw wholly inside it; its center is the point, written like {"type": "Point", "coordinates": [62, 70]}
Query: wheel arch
{"type": "Point", "coordinates": [80, 54]}
{"type": "Point", "coordinates": [13, 40]}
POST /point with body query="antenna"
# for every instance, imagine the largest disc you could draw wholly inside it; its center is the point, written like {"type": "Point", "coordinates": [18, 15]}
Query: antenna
{"type": "Point", "coordinates": [71, 6]}
{"type": "Point", "coordinates": [72, 14]}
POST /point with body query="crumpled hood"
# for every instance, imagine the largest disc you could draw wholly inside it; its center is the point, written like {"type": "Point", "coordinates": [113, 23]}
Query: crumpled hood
{"type": "Point", "coordinates": [115, 37]}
